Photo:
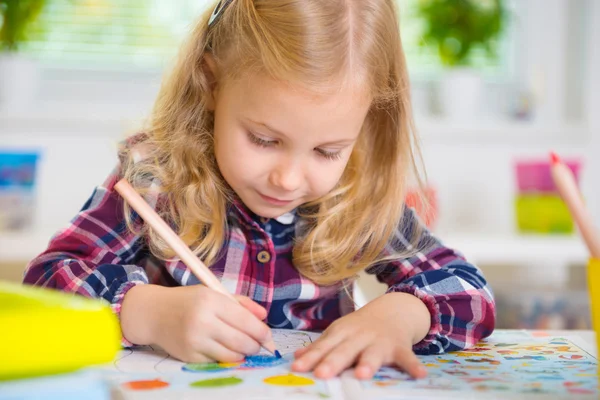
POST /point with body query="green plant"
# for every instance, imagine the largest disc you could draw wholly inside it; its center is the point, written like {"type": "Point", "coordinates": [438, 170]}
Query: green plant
{"type": "Point", "coordinates": [456, 27]}
{"type": "Point", "coordinates": [16, 16]}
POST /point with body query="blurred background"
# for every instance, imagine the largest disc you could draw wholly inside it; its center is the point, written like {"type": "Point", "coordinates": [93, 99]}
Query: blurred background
{"type": "Point", "coordinates": [496, 85]}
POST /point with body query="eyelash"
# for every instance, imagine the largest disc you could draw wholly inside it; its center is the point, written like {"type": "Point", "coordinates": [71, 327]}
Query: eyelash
{"type": "Point", "coordinates": [269, 143]}
{"type": "Point", "coordinates": [329, 155]}
{"type": "Point", "coordinates": [260, 142]}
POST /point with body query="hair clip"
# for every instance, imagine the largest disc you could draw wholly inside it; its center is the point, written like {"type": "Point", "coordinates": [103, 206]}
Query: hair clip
{"type": "Point", "coordinates": [221, 5]}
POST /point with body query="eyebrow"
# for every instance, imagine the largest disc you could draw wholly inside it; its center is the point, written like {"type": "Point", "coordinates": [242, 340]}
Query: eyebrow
{"type": "Point", "coordinates": [263, 125]}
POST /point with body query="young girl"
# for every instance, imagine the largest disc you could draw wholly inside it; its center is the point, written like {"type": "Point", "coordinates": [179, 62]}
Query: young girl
{"type": "Point", "coordinates": [279, 150]}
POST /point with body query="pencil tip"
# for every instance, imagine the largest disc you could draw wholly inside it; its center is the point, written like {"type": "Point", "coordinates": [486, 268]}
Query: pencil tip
{"type": "Point", "coordinates": [554, 158]}
{"type": "Point", "coordinates": [277, 354]}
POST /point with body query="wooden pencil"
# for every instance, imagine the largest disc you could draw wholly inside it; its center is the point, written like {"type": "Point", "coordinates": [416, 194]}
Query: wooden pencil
{"type": "Point", "coordinates": [197, 267]}
{"type": "Point", "coordinates": [568, 190]}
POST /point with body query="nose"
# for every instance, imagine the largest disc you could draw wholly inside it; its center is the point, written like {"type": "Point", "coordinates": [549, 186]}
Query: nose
{"type": "Point", "coordinates": [287, 175]}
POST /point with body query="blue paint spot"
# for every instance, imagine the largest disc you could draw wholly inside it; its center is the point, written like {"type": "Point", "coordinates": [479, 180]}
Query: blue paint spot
{"type": "Point", "coordinates": [277, 354]}
{"type": "Point", "coordinates": [260, 361]}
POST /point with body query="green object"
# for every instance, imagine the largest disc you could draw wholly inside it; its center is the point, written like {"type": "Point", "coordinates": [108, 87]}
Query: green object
{"type": "Point", "coordinates": [206, 367]}
{"type": "Point", "coordinates": [16, 18]}
{"type": "Point", "coordinates": [456, 27]}
{"type": "Point", "coordinates": [542, 213]}
{"type": "Point", "coordinates": [217, 382]}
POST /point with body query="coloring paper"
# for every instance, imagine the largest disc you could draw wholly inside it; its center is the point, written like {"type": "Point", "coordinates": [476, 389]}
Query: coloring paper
{"type": "Point", "coordinates": [150, 373]}
{"type": "Point", "coordinates": [512, 365]}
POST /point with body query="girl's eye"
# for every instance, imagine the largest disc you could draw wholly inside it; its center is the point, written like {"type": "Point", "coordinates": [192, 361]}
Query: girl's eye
{"type": "Point", "coordinates": [260, 141]}
{"type": "Point", "coordinates": [329, 155]}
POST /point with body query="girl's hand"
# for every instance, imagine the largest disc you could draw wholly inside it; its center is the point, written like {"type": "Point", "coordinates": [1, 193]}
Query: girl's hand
{"type": "Point", "coordinates": [194, 323]}
{"type": "Point", "coordinates": [380, 333]}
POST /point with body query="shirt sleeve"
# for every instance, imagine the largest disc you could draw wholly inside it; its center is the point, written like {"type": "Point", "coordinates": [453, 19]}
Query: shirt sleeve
{"type": "Point", "coordinates": [455, 292]}
{"type": "Point", "coordinates": [96, 254]}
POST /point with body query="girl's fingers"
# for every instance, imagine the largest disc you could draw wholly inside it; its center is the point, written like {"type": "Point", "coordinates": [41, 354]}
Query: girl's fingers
{"type": "Point", "coordinates": [298, 353]}
{"type": "Point", "coordinates": [233, 339]}
{"type": "Point", "coordinates": [252, 306]}
{"type": "Point", "coordinates": [243, 320]}
{"type": "Point", "coordinates": [369, 362]}
{"type": "Point", "coordinates": [198, 358]}
{"type": "Point", "coordinates": [214, 350]}
{"type": "Point", "coordinates": [339, 358]}
{"type": "Point", "coordinates": [408, 361]}
{"type": "Point", "coordinates": [316, 351]}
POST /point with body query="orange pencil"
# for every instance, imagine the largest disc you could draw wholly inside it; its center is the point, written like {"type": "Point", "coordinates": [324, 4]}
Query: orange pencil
{"type": "Point", "coordinates": [565, 183]}
{"type": "Point", "coordinates": [197, 267]}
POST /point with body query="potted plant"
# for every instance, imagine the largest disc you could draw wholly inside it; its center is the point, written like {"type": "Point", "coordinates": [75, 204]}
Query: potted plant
{"type": "Point", "coordinates": [18, 74]}
{"type": "Point", "coordinates": [455, 28]}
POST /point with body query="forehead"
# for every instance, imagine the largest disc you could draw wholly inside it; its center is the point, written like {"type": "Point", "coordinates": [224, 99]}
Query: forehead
{"type": "Point", "coordinates": [324, 113]}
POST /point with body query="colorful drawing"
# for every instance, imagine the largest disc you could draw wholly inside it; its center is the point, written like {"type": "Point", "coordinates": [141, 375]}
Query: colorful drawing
{"type": "Point", "coordinates": [485, 388]}
{"type": "Point", "coordinates": [289, 380]}
{"type": "Point", "coordinates": [504, 366]}
{"type": "Point", "coordinates": [146, 384]}
{"type": "Point", "coordinates": [483, 360]}
{"type": "Point", "coordinates": [456, 372]}
{"type": "Point", "coordinates": [217, 382]}
{"type": "Point", "coordinates": [446, 361]}
{"type": "Point", "coordinates": [508, 366]}
{"type": "Point", "coordinates": [470, 354]}
{"type": "Point", "coordinates": [263, 361]}
{"type": "Point", "coordinates": [571, 357]}
{"type": "Point", "coordinates": [565, 349]}
{"type": "Point", "coordinates": [537, 358]}
{"type": "Point", "coordinates": [251, 362]}
{"type": "Point", "coordinates": [510, 352]}
{"type": "Point", "coordinates": [479, 349]}
{"type": "Point", "coordinates": [207, 367]}
{"type": "Point", "coordinates": [137, 371]}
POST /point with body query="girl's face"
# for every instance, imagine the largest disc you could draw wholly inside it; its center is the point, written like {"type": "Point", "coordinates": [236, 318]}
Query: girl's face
{"type": "Point", "coordinates": [279, 146]}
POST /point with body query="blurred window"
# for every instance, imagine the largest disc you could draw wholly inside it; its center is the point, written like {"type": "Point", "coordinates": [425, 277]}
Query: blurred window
{"type": "Point", "coordinates": [145, 34]}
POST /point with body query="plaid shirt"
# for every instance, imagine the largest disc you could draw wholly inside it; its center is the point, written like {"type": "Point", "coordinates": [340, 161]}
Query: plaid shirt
{"type": "Point", "coordinates": [96, 256]}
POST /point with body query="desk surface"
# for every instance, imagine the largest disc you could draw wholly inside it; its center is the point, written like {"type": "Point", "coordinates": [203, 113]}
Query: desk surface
{"type": "Point", "coordinates": [587, 335]}
{"type": "Point", "coordinates": [70, 386]}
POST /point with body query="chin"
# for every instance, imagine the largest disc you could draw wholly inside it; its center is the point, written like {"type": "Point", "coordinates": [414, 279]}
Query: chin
{"type": "Point", "coordinates": [270, 212]}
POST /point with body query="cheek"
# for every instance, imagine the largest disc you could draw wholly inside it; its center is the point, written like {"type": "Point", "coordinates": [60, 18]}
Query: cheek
{"type": "Point", "coordinates": [324, 178]}
{"type": "Point", "coordinates": [238, 160]}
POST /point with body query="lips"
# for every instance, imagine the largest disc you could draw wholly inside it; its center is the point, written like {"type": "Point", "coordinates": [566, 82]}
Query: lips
{"type": "Point", "coordinates": [275, 201]}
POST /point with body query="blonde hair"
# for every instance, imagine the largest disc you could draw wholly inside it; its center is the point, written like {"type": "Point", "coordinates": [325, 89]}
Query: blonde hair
{"type": "Point", "coordinates": [306, 42]}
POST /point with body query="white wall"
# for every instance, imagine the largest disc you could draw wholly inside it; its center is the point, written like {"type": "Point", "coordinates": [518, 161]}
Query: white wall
{"type": "Point", "coordinates": [593, 108]}
{"type": "Point", "coordinates": [475, 180]}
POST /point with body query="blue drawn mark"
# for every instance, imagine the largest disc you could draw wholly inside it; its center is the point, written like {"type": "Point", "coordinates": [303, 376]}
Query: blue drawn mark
{"type": "Point", "coordinates": [260, 361]}
{"type": "Point", "coordinates": [537, 358]}
{"type": "Point", "coordinates": [574, 362]}
{"type": "Point", "coordinates": [550, 378]}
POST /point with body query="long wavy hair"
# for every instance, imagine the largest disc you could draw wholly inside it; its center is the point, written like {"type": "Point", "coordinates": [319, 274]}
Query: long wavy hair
{"type": "Point", "coordinates": [304, 42]}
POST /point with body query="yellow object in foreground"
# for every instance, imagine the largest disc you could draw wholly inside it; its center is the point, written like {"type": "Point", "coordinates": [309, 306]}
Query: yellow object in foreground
{"type": "Point", "coordinates": [44, 331]}
{"type": "Point", "coordinates": [594, 289]}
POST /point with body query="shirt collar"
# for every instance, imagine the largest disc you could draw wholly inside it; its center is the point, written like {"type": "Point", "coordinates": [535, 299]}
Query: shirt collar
{"type": "Point", "coordinates": [285, 219]}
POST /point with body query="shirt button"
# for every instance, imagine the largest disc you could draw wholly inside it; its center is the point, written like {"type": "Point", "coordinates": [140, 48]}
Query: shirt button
{"type": "Point", "coordinates": [264, 220]}
{"type": "Point", "coordinates": [263, 257]}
